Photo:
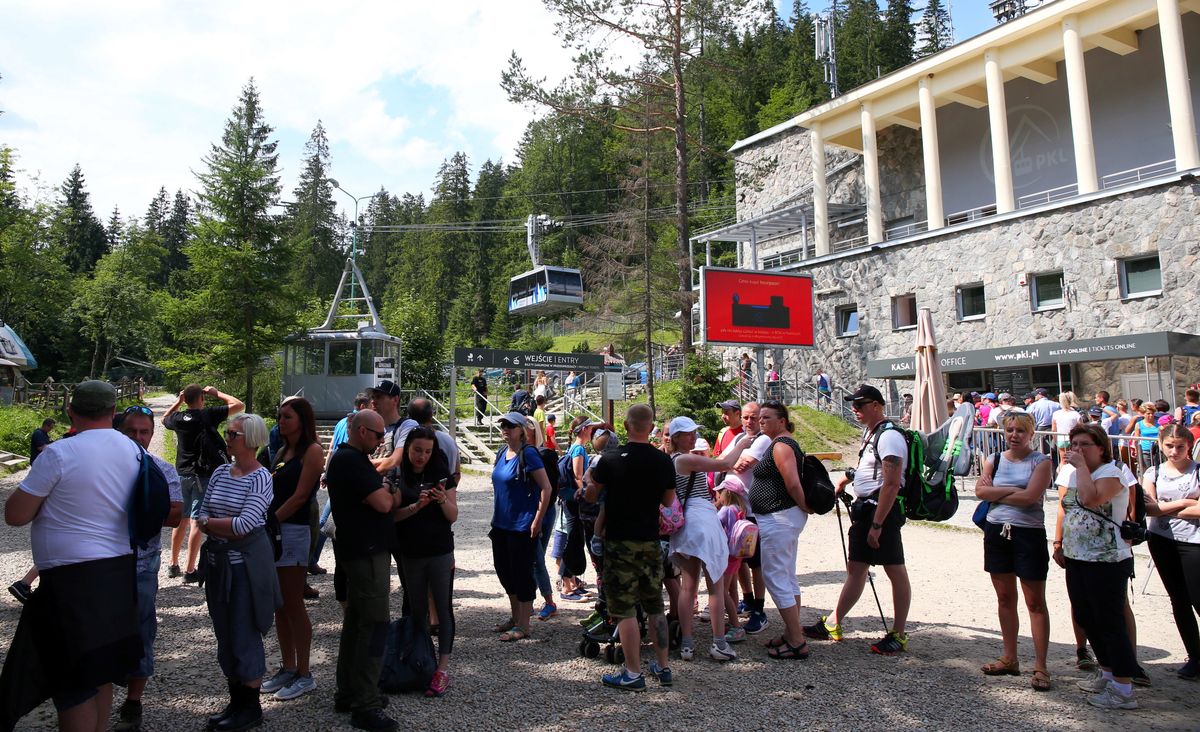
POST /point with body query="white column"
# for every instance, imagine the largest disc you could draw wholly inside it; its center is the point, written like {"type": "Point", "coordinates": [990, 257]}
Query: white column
{"type": "Point", "coordinates": [1081, 114]}
{"type": "Point", "coordinates": [820, 191]}
{"type": "Point", "coordinates": [871, 175]}
{"type": "Point", "coordinates": [1179, 95]}
{"type": "Point", "coordinates": [933, 165]}
{"type": "Point", "coordinates": [998, 120]}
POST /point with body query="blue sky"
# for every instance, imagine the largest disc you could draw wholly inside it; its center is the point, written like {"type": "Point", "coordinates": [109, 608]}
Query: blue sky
{"type": "Point", "coordinates": [137, 91]}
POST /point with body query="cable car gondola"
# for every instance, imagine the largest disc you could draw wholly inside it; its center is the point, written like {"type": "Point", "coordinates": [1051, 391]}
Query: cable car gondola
{"type": "Point", "coordinates": [545, 291]}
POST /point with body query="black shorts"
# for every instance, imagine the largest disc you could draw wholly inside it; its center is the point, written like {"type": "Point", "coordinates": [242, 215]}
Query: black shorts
{"type": "Point", "coordinates": [891, 549]}
{"type": "Point", "coordinates": [1023, 552]}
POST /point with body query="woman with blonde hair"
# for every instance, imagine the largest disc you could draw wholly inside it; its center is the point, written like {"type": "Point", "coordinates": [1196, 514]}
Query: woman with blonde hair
{"type": "Point", "coordinates": [1064, 420]}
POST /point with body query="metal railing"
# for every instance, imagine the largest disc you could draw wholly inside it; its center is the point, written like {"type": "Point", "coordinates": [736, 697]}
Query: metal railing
{"type": "Point", "coordinates": [1048, 196]}
{"type": "Point", "coordinates": [1127, 448]}
{"type": "Point", "coordinates": [1136, 175]}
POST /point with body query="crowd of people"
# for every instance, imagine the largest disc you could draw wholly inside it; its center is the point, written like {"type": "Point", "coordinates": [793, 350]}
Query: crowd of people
{"type": "Point", "coordinates": [659, 516]}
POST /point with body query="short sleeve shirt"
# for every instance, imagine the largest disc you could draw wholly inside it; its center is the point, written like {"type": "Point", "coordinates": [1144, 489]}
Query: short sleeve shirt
{"type": "Point", "coordinates": [480, 384]}
{"type": "Point", "coordinates": [868, 476]}
{"type": "Point", "coordinates": [188, 424]}
{"type": "Point", "coordinates": [635, 477]}
{"type": "Point", "coordinates": [361, 530]}
{"type": "Point", "coordinates": [39, 438]}
{"type": "Point", "coordinates": [1088, 537]}
{"type": "Point", "coordinates": [516, 496]}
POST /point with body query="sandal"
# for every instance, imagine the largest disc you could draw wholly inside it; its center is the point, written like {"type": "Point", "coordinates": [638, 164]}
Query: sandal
{"type": "Point", "coordinates": [505, 626]}
{"type": "Point", "coordinates": [1002, 667]}
{"type": "Point", "coordinates": [1040, 680]}
{"type": "Point", "coordinates": [788, 652]}
{"type": "Point", "coordinates": [775, 643]}
{"type": "Point", "coordinates": [514, 634]}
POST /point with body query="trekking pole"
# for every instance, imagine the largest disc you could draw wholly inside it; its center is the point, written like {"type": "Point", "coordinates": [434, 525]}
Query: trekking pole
{"type": "Point", "coordinates": [846, 558]}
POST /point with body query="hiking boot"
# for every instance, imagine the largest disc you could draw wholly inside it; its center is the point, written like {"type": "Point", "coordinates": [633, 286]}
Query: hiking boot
{"type": "Point", "coordinates": [373, 720]}
{"type": "Point", "coordinates": [1093, 684]}
{"type": "Point", "coordinates": [821, 630]}
{"type": "Point", "coordinates": [1190, 671]}
{"type": "Point", "coordinates": [721, 652]}
{"type": "Point", "coordinates": [662, 673]}
{"type": "Point", "coordinates": [246, 712]}
{"type": "Point", "coordinates": [341, 706]}
{"type": "Point", "coordinates": [1110, 698]}
{"type": "Point", "coordinates": [890, 644]}
{"type": "Point", "coordinates": [316, 569]}
{"type": "Point", "coordinates": [174, 571]}
{"type": "Point", "coordinates": [311, 593]}
{"type": "Point", "coordinates": [625, 680]}
{"type": "Point", "coordinates": [548, 611]}
{"type": "Point", "coordinates": [757, 622]}
{"type": "Point", "coordinates": [21, 591]}
{"type": "Point", "coordinates": [298, 686]}
{"type": "Point", "coordinates": [1140, 677]}
{"type": "Point", "coordinates": [1084, 660]}
{"type": "Point", "coordinates": [281, 679]}
{"type": "Point", "coordinates": [129, 718]}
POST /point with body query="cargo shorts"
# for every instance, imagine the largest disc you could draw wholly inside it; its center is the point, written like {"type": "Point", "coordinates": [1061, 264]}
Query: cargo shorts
{"type": "Point", "coordinates": [633, 576]}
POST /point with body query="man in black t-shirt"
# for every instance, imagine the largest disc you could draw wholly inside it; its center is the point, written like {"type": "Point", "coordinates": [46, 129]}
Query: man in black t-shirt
{"type": "Point", "coordinates": [193, 426]}
{"type": "Point", "coordinates": [637, 479]}
{"type": "Point", "coordinates": [479, 386]}
{"type": "Point", "coordinates": [40, 439]}
{"type": "Point", "coordinates": [362, 511]}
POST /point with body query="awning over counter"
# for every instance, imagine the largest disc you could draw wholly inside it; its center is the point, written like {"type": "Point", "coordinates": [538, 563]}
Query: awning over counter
{"type": "Point", "coordinates": [1110, 348]}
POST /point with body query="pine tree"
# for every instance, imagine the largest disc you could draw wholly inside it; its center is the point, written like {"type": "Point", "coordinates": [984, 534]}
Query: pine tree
{"type": "Point", "coordinates": [114, 233]}
{"type": "Point", "coordinates": [934, 28]}
{"type": "Point", "coordinates": [176, 234]}
{"type": "Point", "coordinates": [82, 234]}
{"type": "Point", "coordinates": [899, 34]}
{"type": "Point", "coordinates": [156, 213]}
{"type": "Point", "coordinates": [858, 37]}
{"type": "Point", "coordinates": [312, 223]}
{"type": "Point", "coordinates": [243, 304]}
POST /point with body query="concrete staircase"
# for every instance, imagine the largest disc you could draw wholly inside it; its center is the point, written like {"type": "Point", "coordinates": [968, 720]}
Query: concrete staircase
{"type": "Point", "coordinates": [11, 463]}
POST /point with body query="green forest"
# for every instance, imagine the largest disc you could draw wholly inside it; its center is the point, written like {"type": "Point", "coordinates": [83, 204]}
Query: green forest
{"type": "Point", "coordinates": [628, 159]}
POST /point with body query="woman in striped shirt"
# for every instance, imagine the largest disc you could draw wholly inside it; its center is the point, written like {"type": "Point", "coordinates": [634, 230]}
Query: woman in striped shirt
{"type": "Point", "coordinates": [238, 559]}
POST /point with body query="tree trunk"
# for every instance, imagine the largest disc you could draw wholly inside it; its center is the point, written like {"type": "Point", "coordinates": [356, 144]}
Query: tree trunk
{"type": "Point", "coordinates": [646, 254]}
{"type": "Point", "coordinates": [681, 183]}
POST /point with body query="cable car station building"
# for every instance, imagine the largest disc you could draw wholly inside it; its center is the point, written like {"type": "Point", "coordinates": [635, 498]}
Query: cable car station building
{"type": "Point", "coordinates": [1034, 186]}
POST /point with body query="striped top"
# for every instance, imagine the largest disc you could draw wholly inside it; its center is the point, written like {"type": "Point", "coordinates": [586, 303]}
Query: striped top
{"type": "Point", "coordinates": [245, 499]}
{"type": "Point", "coordinates": [698, 486]}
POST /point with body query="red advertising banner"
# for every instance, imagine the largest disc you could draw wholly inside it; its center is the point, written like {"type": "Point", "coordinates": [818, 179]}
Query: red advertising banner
{"type": "Point", "coordinates": [753, 308]}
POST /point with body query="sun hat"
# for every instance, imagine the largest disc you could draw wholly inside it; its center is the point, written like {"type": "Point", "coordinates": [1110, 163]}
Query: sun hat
{"type": "Point", "coordinates": [680, 425]}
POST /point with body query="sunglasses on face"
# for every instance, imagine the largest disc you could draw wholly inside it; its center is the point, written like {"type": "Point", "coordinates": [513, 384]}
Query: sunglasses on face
{"type": "Point", "coordinates": [138, 409]}
{"type": "Point", "coordinates": [230, 434]}
{"type": "Point", "coordinates": [378, 433]}
{"type": "Point", "coordinates": [860, 403]}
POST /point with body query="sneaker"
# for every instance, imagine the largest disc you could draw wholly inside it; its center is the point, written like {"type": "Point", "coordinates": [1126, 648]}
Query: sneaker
{"type": "Point", "coordinates": [174, 571]}
{"type": "Point", "coordinates": [1084, 660]}
{"type": "Point", "coordinates": [21, 591]}
{"type": "Point", "coordinates": [1110, 698]}
{"type": "Point", "coordinates": [438, 684]}
{"type": "Point", "coordinates": [735, 635]}
{"type": "Point", "coordinates": [1141, 678]}
{"type": "Point", "coordinates": [191, 578]}
{"type": "Point", "coordinates": [757, 623]}
{"type": "Point", "coordinates": [316, 569]}
{"type": "Point", "coordinates": [890, 644]}
{"type": "Point", "coordinates": [129, 718]}
{"type": "Point", "coordinates": [548, 611]}
{"type": "Point", "coordinates": [1190, 671]}
{"type": "Point", "coordinates": [821, 630]}
{"type": "Point", "coordinates": [1093, 684]}
{"type": "Point", "coordinates": [722, 654]}
{"type": "Point", "coordinates": [742, 609]}
{"type": "Point", "coordinates": [663, 674]}
{"type": "Point", "coordinates": [278, 681]}
{"type": "Point", "coordinates": [704, 615]}
{"type": "Point", "coordinates": [311, 593]}
{"type": "Point", "coordinates": [573, 596]}
{"type": "Point", "coordinates": [625, 680]}
{"type": "Point", "coordinates": [373, 719]}
{"type": "Point", "coordinates": [686, 653]}
{"type": "Point", "coordinates": [298, 686]}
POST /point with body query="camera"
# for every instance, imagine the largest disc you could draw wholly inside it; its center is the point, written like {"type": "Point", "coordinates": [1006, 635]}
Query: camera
{"type": "Point", "coordinates": [850, 473]}
{"type": "Point", "coordinates": [775, 315]}
{"type": "Point", "coordinates": [1133, 532]}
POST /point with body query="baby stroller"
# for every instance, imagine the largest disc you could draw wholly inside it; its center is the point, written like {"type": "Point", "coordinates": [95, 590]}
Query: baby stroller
{"type": "Point", "coordinates": [600, 630]}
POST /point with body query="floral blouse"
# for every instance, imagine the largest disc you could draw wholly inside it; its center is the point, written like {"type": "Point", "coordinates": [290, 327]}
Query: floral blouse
{"type": "Point", "coordinates": [1086, 536]}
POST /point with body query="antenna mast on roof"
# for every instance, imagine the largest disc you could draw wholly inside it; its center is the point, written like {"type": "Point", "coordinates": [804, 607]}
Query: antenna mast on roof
{"type": "Point", "coordinates": [823, 25]}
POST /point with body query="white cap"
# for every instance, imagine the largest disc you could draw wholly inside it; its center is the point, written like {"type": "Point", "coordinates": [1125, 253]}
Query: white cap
{"type": "Point", "coordinates": [701, 444]}
{"type": "Point", "coordinates": [682, 424]}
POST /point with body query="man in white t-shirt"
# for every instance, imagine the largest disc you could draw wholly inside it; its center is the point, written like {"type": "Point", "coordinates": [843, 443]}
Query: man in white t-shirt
{"type": "Point", "coordinates": [750, 576]}
{"type": "Point", "coordinates": [875, 521]}
{"type": "Point", "coordinates": [75, 497]}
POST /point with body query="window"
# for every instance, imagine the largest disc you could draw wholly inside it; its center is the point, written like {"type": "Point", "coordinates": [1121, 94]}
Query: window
{"type": "Point", "coordinates": [1140, 276]}
{"type": "Point", "coordinates": [1047, 291]}
{"type": "Point", "coordinates": [366, 361]}
{"type": "Point", "coordinates": [847, 320]}
{"type": "Point", "coordinates": [904, 312]}
{"type": "Point", "coordinates": [341, 358]}
{"type": "Point", "coordinates": [970, 302]}
{"type": "Point", "coordinates": [314, 359]}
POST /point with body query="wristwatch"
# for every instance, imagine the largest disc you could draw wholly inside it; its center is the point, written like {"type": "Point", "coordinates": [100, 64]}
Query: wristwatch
{"type": "Point", "coordinates": [875, 525]}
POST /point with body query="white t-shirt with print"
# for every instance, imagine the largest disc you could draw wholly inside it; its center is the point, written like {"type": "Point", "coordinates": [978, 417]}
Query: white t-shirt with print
{"type": "Point", "coordinates": [86, 481]}
{"type": "Point", "coordinates": [1086, 536]}
{"type": "Point", "coordinates": [867, 479]}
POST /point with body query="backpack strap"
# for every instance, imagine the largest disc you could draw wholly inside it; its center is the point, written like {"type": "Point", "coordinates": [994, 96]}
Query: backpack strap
{"type": "Point", "coordinates": [872, 439]}
{"type": "Point", "coordinates": [688, 491]}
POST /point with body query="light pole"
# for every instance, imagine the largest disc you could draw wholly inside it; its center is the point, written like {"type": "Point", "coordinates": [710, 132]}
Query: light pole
{"type": "Point", "coordinates": [353, 228]}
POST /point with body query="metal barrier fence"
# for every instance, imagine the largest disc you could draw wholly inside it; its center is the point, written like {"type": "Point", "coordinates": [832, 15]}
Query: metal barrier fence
{"type": "Point", "coordinates": [1126, 448]}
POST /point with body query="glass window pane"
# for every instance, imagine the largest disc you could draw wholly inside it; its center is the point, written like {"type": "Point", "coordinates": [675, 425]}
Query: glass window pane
{"type": "Point", "coordinates": [314, 359]}
{"type": "Point", "coordinates": [1142, 275]}
{"type": "Point", "coordinates": [847, 321]}
{"type": "Point", "coordinates": [366, 362]}
{"type": "Point", "coordinates": [904, 311]}
{"type": "Point", "coordinates": [971, 301]}
{"type": "Point", "coordinates": [1048, 290]}
{"type": "Point", "coordinates": [341, 358]}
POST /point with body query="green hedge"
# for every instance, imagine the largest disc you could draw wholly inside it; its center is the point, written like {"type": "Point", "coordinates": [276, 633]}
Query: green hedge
{"type": "Point", "coordinates": [18, 423]}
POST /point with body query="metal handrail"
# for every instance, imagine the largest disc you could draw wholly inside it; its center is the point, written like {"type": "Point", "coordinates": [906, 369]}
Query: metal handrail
{"type": "Point", "coordinates": [988, 440]}
{"type": "Point", "coordinates": [1050, 195]}
{"type": "Point", "coordinates": [1135, 175]}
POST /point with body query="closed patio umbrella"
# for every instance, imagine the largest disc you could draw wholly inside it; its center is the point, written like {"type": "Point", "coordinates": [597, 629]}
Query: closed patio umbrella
{"type": "Point", "coordinates": [929, 394]}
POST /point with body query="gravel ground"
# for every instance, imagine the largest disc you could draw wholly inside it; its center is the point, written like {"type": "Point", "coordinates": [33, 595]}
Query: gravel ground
{"type": "Point", "coordinates": [543, 684]}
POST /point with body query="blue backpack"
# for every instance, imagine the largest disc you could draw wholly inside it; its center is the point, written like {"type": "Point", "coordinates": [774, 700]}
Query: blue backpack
{"type": "Point", "coordinates": [566, 477]}
{"type": "Point", "coordinates": [149, 502]}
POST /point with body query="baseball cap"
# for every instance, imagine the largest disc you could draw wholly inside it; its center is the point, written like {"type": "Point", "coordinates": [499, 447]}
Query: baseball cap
{"type": "Point", "coordinates": [990, 395]}
{"type": "Point", "coordinates": [728, 404]}
{"type": "Point", "coordinates": [512, 419]}
{"type": "Point", "coordinates": [93, 397]}
{"type": "Point", "coordinates": [864, 391]}
{"type": "Point", "coordinates": [1005, 396]}
{"type": "Point", "coordinates": [1042, 390]}
{"type": "Point", "coordinates": [733, 484]}
{"type": "Point", "coordinates": [701, 444]}
{"type": "Point", "coordinates": [1096, 412]}
{"type": "Point", "coordinates": [682, 424]}
{"type": "Point", "coordinates": [388, 388]}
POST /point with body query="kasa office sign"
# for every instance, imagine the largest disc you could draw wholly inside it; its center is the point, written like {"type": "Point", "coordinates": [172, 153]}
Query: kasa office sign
{"type": "Point", "coordinates": [742, 307]}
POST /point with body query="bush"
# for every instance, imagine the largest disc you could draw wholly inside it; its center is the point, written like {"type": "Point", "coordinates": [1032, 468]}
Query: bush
{"type": "Point", "coordinates": [18, 423]}
{"type": "Point", "coordinates": [701, 387]}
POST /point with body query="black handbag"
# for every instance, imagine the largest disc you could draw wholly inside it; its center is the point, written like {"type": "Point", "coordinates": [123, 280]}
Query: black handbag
{"type": "Point", "coordinates": [408, 657]}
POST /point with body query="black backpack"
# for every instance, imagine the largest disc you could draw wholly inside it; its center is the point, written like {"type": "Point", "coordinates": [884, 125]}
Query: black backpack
{"type": "Point", "coordinates": [819, 492]}
{"type": "Point", "coordinates": [211, 451]}
{"type": "Point", "coordinates": [527, 405]}
{"type": "Point", "coordinates": [919, 499]}
{"type": "Point", "coordinates": [408, 657]}
{"type": "Point", "coordinates": [149, 502]}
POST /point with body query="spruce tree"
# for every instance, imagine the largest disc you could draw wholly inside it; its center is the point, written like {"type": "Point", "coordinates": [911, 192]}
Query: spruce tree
{"type": "Point", "coordinates": [312, 226]}
{"type": "Point", "coordinates": [82, 235]}
{"type": "Point", "coordinates": [176, 233]}
{"type": "Point", "coordinates": [114, 232]}
{"type": "Point", "coordinates": [934, 29]}
{"type": "Point", "coordinates": [858, 37]}
{"type": "Point", "coordinates": [158, 210]}
{"type": "Point", "coordinates": [899, 34]}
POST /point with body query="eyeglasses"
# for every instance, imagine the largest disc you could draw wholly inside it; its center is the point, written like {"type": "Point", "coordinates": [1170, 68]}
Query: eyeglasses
{"type": "Point", "coordinates": [1080, 444]}
{"type": "Point", "coordinates": [378, 433]}
{"type": "Point", "coordinates": [860, 403]}
{"type": "Point", "coordinates": [230, 434]}
{"type": "Point", "coordinates": [139, 409]}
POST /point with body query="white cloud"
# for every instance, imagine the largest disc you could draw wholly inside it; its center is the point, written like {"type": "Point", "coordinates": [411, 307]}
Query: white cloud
{"type": "Point", "coordinates": [137, 92]}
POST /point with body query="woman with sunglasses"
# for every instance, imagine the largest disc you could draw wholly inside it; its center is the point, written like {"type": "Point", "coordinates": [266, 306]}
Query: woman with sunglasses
{"type": "Point", "coordinates": [242, 588]}
{"type": "Point", "coordinates": [1093, 502]}
{"type": "Point", "coordinates": [294, 477]}
{"type": "Point", "coordinates": [1173, 498]}
{"type": "Point", "coordinates": [521, 494]}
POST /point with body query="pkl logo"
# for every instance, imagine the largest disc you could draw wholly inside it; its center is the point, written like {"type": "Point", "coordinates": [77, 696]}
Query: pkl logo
{"type": "Point", "coordinates": [1036, 146]}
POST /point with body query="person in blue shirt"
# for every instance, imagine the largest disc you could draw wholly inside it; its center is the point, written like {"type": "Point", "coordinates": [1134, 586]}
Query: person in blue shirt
{"type": "Point", "coordinates": [522, 495]}
{"type": "Point", "coordinates": [40, 439]}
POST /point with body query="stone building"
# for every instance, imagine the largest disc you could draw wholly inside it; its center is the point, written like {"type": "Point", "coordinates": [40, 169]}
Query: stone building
{"type": "Point", "coordinates": [1034, 187]}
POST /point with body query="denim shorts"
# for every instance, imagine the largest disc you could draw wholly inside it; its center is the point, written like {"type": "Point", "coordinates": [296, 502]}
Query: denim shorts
{"type": "Point", "coordinates": [192, 486]}
{"type": "Point", "coordinates": [296, 540]}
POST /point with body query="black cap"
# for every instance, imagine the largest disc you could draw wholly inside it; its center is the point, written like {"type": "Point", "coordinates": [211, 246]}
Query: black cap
{"type": "Point", "coordinates": [388, 388]}
{"type": "Point", "coordinates": [1042, 390]}
{"type": "Point", "coordinates": [865, 391]}
{"type": "Point", "coordinates": [728, 404]}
